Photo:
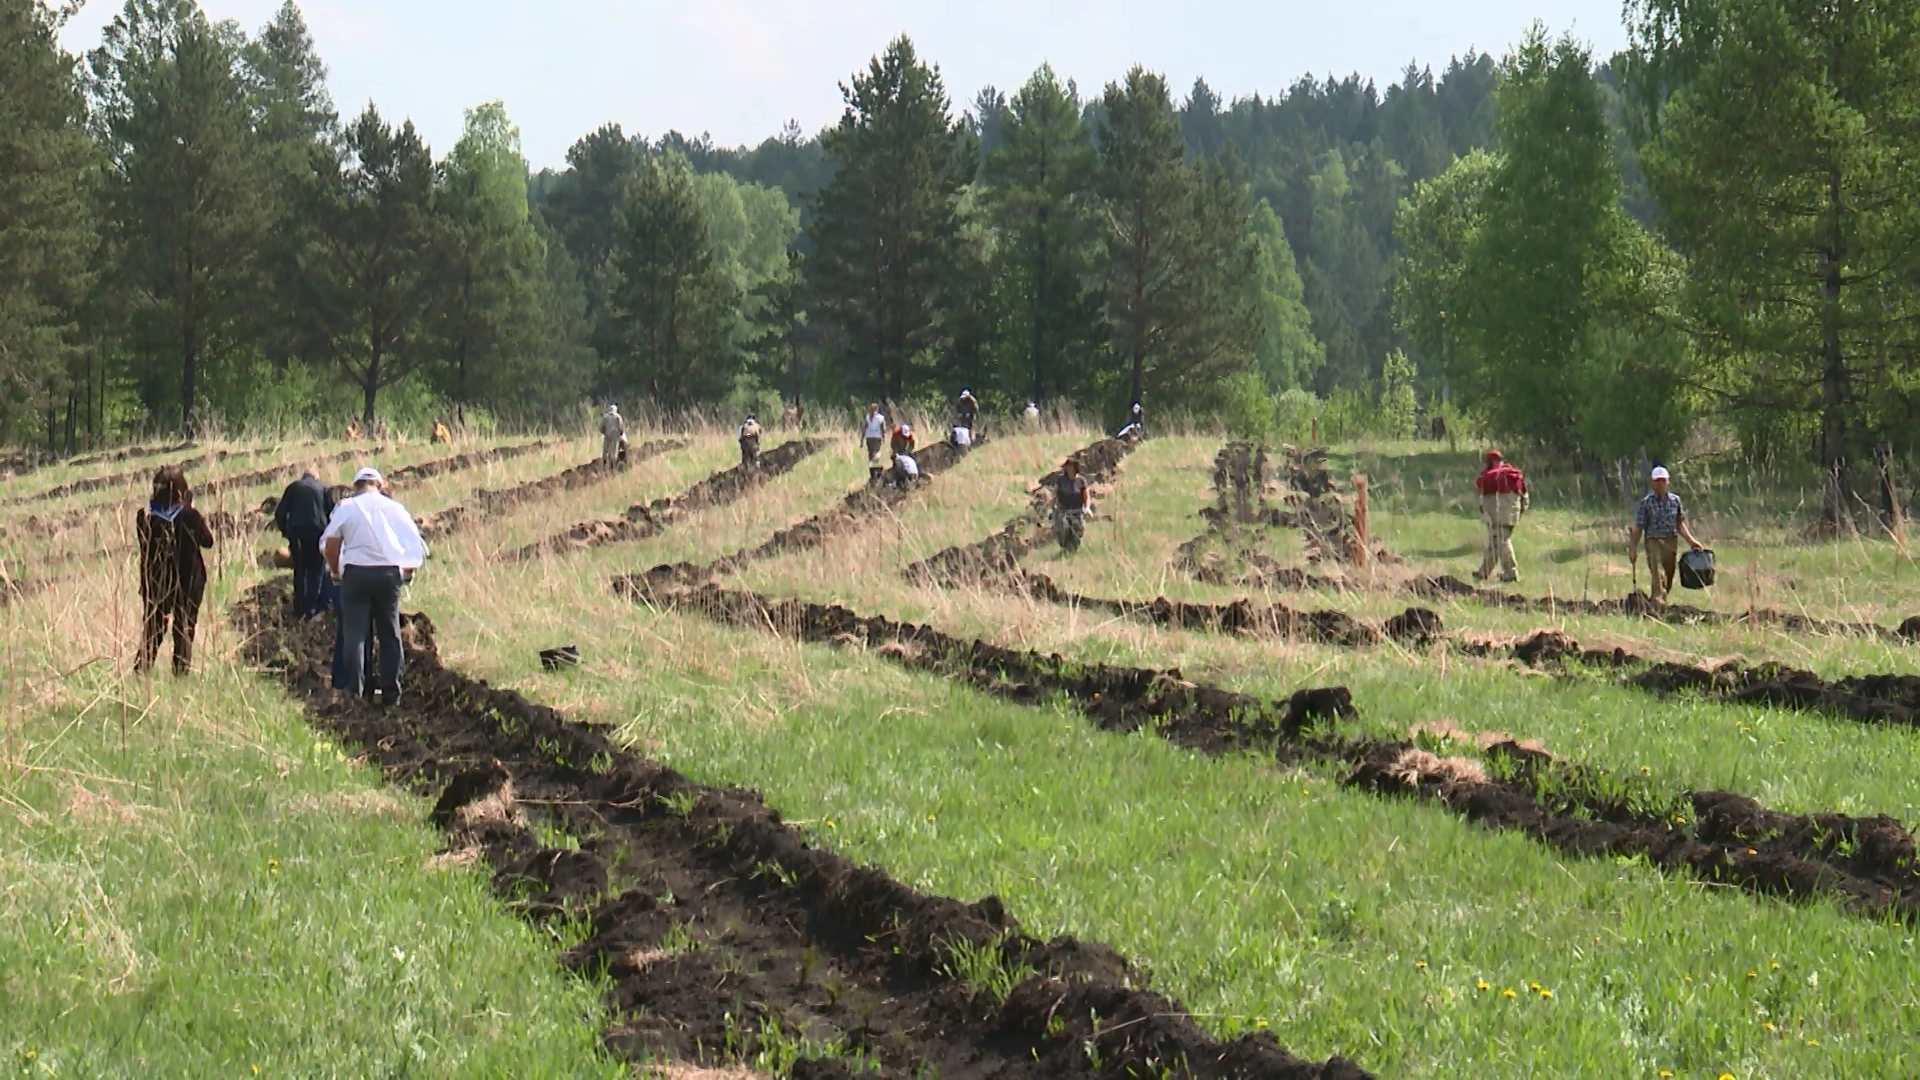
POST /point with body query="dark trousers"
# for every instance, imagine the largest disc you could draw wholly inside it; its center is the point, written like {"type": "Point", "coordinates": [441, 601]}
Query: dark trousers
{"type": "Point", "coordinates": [309, 572]}
{"type": "Point", "coordinates": [179, 611]}
{"type": "Point", "coordinates": [370, 600]}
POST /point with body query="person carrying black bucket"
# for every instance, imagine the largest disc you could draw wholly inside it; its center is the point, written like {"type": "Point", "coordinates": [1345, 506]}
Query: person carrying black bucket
{"type": "Point", "coordinates": [1071, 501]}
{"type": "Point", "coordinates": [1663, 522]}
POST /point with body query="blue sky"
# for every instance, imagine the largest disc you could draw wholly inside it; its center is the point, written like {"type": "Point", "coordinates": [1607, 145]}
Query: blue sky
{"type": "Point", "coordinates": [740, 68]}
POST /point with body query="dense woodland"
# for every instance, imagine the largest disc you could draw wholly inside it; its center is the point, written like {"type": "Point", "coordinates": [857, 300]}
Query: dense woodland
{"type": "Point", "coordinates": [1715, 231]}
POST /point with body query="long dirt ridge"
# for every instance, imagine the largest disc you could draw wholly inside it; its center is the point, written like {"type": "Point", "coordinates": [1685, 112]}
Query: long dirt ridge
{"type": "Point", "coordinates": [441, 524]}
{"type": "Point", "coordinates": [645, 520]}
{"type": "Point", "coordinates": [1874, 699]}
{"type": "Point", "coordinates": [26, 462]}
{"type": "Point", "coordinates": [717, 927]}
{"type": "Point", "coordinates": [1025, 532]}
{"type": "Point", "coordinates": [261, 517]}
{"type": "Point", "coordinates": [95, 483]}
{"type": "Point", "coordinates": [857, 507]}
{"type": "Point", "coordinates": [1867, 864]}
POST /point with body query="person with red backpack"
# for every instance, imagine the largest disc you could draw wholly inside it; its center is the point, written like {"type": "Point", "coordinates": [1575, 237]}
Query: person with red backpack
{"type": "Point", "coordinates": [1503, 498]}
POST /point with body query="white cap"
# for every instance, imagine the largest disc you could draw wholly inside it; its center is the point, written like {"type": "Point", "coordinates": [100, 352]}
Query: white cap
{"type": "Point", "coordinates": [1659, 472]}
{"type": "Point", "coordinates": [366, 473]}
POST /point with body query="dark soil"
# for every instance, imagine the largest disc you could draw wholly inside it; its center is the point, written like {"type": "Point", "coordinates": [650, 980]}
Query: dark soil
{"type": "Point", "coordinates": [1722, 837]}
{"type": "Point", "coordinates": [444, 523]}
{"type": "Point", "coordinates": [1025, 532]}
{"type": "Point", "coordinates": [95, 483]}
{"type": "Point", "coordinates": [716, 924]}
{"type": "Point", "coordinates": [1416, 626]}
{"type": "Point", "coordinates": [1639, 604]}
{"type": "Point", "coordinates": [650, 519]}
{"type": "Point", "coordinates": [859, 506]}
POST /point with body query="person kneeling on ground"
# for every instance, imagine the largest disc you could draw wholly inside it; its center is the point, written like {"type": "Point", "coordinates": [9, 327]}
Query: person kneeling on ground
{"type": "Point", "coordinates": [173, 575]}
{"type": "Point", "coordinates": [1136, 425]}
{"type": "Point", "coordinates": [1661, 519]}
{"type": "Point", "coordinates": [1503, 498]}
{"type": "Point", "coordinates": [372, 547]}
{"type": "Point", "coordinates": [1071, 501]}
{"type": "Point", "coordinates": [749, 441]}
{"type": "Point", "coordinates": [904, 472]}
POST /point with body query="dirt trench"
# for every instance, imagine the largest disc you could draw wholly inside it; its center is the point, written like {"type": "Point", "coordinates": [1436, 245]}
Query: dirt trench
{"type": "Point", "coordinates": [1873, 699]}
{"type": "Point", "coordinates": [1415, 626]}
{"type": "Point", "coordinates": [720, 931]}
{"type": "Point", "coordinates": [1025, 532]}
{"type": "Point", "coordinates": [1867, 864]}
{"type": "Point", "coordinates": [444, 523]}
{"type": "Point", "coordinates": [856, 508]}
{"type": "Point", "coordinates": [650, 519]}
{"type": "Point", "coordinates": [95, 483]}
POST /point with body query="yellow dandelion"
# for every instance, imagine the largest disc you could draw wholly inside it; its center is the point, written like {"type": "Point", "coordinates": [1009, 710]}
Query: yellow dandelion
{"type": "Point", "coordinates": [1644, 769]}
{"type": "Point", "coordinates": [1421, 964]}
{"type": "Point", "coordinates": [256, 1069]}
{"type": "Point", "coordinates": [1769, 1026]}
{"type": "Point", "coordinates": [1724, 1076]}
{"type": "Point", "coordinates": [1773, 965]}
{"type": "Point", "coordinates": [1482, 984]}
{"type": "Point", "coordinates": [1664, 1073]}
{"type": "Point", "coordinates": [1753, 974]}
{"type": "Point", "coordinates": [1813, 1042]}
{"type": "Point", "coordinates": [1533, 986]}
{"type": "Point", "coordinates": [273, 866]}
{"type": "Point", "coordinates": [1546, 994]}
{"type": "Point", "coordinates": [1507, 993]}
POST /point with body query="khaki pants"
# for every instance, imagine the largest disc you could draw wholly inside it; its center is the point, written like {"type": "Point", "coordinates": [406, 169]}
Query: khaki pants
{"type": "Point", "coordinates": [609, 448]}
{"type": "Point", "coordinates": [1663, 552]}
{"type": "Point", "coordinates": [1499, 552]}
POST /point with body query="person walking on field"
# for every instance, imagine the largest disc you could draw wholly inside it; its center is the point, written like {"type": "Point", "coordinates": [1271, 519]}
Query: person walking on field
{"type": "Point", "coordinates": [1663, 522]}
{"type": "Point", "coordinates": [173, 575]}
{"type": "Point", "coordinates": [966, 408]}
{"type": "Point", "coordinates": [612, 430]}
{"type": "Point", "coordinates": [1503, 498]}
{"type": "Point", "coordinates": [372, 546]}
{"type": "Point", "coordinates": [1071, 501]}
{"type": "Point", "coordinates": [301, 517]}
{"type": "Point", "coordinates": [749, 441]}
{"type": "Point", "coordinates": [874, 430]}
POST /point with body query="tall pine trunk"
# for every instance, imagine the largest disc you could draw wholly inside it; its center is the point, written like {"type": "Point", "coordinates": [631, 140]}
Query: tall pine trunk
{"type": "Point", "coordinates": [1834, 515]}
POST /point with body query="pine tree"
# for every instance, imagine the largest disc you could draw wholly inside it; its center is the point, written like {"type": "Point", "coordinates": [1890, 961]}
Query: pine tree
{"type": "Point", "coordinates": [669, 295]}
{"type": "Point", "coordinates": [886, 228]}
{"type": "Point", "coordinates": [184, 184]}
{"type": "Point", "coordinates": [496, 263]}
{"type": "Point", "coordinates": [383, 272]}
{"type": "Point", "coordinates": [1784, 151]}
{"type": "Point", "coordinates": [46, 224]}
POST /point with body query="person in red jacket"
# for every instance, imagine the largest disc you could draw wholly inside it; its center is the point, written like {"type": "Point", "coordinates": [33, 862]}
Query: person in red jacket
{"type": "Point", "coordinates": [1503, 498]}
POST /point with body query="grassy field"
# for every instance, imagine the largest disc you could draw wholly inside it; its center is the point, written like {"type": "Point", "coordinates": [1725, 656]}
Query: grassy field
{"type": "Point", "coordinates": [199, 885]}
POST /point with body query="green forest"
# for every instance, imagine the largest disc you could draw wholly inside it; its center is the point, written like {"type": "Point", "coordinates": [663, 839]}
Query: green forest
{"type": "Point", "coordinates": [1716, 229]}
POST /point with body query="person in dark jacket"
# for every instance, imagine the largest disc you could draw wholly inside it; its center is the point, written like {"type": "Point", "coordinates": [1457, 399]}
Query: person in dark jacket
{"type": "Point", "coordinates": [173, 575]}
{"type": "Point", "coordinates": [301, 517]}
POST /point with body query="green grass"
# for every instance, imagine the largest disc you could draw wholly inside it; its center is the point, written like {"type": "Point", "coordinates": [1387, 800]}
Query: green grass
{"type": "Point", "coordinates": [1260, 897]}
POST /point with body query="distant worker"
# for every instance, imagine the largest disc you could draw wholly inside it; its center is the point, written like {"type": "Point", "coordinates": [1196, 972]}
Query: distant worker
{"type": "Point", "coordinates": [793, 417]}
{"type": "Point", "coordinates": [353, 429]}
{"type": "Point", "coordinates": [612, 430]}
{"type": "Point", "coordinates": [966, 408]}
{"type": "Point", "coordinates": [301, 516]}
{"type": "Point", "coordinates": [1031, 415]}
{"type": "Point", "coordinates": [372, 547]}
{"type": "Point", "coordinates": [173, 575]}
{"type": "Point", "coordinates": [874, 429]}
{"type": "Point", "coordinates": [1071, 501]}
{"type": "Point", "coordinates": [905, 471]}
{"type": "Point", "coordinates": [1662, 521]}
{"type": "Point", "coordinates": [441, 433]}
{"type": "Point", "coordinates": [1136, 425]}
{"type": "Point", "coordinates": [1503, 498]}
{"type": "Point", "coordinates": [749, 441]}
{"type": "Point", "coordinates": [380, 430]}
{"type": "Point", "coordinates": [903, 441]}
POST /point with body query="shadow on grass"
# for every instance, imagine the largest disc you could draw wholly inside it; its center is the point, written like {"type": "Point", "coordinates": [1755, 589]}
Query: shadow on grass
{"type": "Point", "coordinates": [1445, 553]}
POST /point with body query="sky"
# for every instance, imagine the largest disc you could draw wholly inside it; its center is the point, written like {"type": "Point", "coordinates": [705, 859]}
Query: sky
{"type": "Point", "coordinates": [739, 69]}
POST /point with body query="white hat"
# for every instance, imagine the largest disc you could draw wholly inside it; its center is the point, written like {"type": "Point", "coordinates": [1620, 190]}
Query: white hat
{"type": "Point", "coordinates": [611, 407]}
{"type": "Point", "coordinates": [1659, 472]}
{"type": "Point", "coordinates": [367, 473]}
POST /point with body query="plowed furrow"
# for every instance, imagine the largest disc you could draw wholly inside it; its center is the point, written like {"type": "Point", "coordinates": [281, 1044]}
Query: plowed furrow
{"type": "Point", "coordinates": [717, 927]}
{"type": "Point", "coordinates": [444, 523]}
{"type": "Point", "coordinates": [1866, 863]}
{"type": "Point", "coordinates": [650, 519]}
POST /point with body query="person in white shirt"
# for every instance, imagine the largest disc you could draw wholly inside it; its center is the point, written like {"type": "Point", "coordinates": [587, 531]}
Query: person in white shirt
{"type": "Point", "coordinates": [875, 430]}
{"type": "Point", "coordinates": [612, 431]}
{"type": "Point", "coordinates": [372, 546]}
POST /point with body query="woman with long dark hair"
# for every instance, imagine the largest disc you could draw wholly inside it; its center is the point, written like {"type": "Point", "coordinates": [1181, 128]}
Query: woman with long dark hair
{"type": "Point", "coordinates": [173, 576]}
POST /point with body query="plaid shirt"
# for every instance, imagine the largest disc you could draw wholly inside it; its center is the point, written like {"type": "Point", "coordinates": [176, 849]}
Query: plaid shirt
{"type": "Point", "coordinates": [1659, 517]}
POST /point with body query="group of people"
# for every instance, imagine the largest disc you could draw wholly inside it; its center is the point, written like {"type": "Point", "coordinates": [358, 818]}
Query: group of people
{"type": "Point", "coordinates": [1659, 519]}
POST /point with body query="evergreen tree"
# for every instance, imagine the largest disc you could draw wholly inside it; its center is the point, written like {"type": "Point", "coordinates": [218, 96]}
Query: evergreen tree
{"type": "Point", "coordinates": [1436, 226]}
{"type": "Point", "coordinates": [1284, 348]}
{"type": "Point", "coordinates": [496, 263]}
{"type": "Point", "coordinates": [670, 295]}
{"type": "Point", "coordinates": [46, 225]}
{"type": "Point", "coordinates": [382, 276]}
{"type": "Point", "coordinates": [1784, 150]}
{"type": "Point", "coordinates": [185, 187]}
{"type": "Point", "coordinates": [1038, 194]}
{"type": "Point", "coordinates": [1177, 253]}
{"type": "Point", "coordinates": [886, 228]}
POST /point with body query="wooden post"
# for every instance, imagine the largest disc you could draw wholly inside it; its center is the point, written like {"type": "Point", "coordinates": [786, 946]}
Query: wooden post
{"type": "Point", "coordinates": [1360, 539]}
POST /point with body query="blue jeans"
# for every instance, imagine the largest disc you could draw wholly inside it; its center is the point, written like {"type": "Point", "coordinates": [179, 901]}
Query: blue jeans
{"type": "Point", "coordinates": [309, 572]}
{"type": "Point", "coordinates": [369, 610]}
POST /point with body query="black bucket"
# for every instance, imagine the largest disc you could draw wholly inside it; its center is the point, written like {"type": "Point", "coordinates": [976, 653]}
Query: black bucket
{"type": "Point", "coordinates": [1696, 568]}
